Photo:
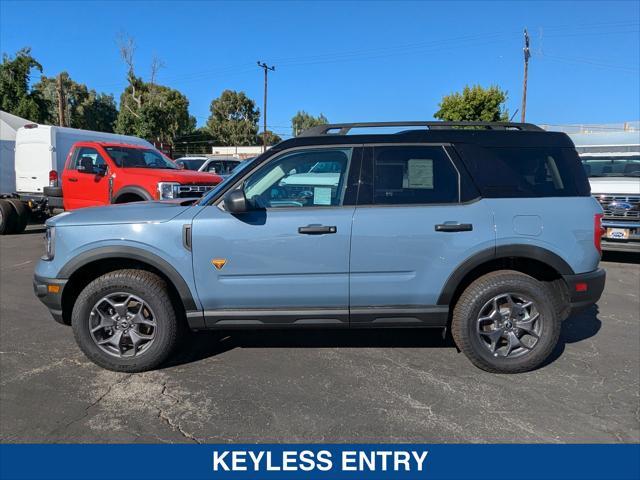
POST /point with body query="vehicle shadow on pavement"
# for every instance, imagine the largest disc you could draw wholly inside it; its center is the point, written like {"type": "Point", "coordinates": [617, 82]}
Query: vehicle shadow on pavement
{"type": "Point", "coordinates": [575, 329]}
{"type": "Point", "coordinates": [203, 345]}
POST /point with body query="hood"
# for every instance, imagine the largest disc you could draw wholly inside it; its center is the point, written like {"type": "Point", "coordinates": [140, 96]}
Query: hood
{"type": "Point", "coordinates": [137, 212]}
{"type": "Point", "coordinates": [184, 177]}
{"type": "Point", "coordinates": [615, 185]}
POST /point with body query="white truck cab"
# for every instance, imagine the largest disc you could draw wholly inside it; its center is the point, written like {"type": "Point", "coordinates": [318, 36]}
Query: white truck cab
{"type": "Point", "coordinates": [612, 162]}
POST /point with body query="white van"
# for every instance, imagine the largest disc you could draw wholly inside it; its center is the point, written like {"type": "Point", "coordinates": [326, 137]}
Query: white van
{"type": "Point", "coordinates": [40, 155]}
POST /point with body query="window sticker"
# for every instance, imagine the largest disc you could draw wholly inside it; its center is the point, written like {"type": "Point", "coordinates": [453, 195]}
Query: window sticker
{"type": "Point", "coordinates": [420, 173]}
{"type": "Point", "coordinates": [322, 195]}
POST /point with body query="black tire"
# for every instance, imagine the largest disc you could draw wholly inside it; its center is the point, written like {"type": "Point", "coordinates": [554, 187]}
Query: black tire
{"type": "Point", "coordinates": [8, 218]}
{"type": "Point", "coordinates": [153, 291]}
{"type": "Point", "coordinates": [52, 191]}
{"type": "Point", "coordinates": [468, 308]}
{"type": "Point", "coordinates": [23, 213]}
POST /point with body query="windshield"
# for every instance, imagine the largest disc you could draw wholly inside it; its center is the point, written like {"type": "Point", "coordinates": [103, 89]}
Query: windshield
{"type": "Point", "coordinates": [191, 164]}
{"type": "Point", "coordinates": [126, 157]}
{"type": "Point", "coordinates": [227, 180]}
{"type": "Point", "coordinates": [611, 166]}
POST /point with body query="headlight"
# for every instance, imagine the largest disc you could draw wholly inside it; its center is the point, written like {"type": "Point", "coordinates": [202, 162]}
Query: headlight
{"type": "Point", "coordinates": [49, 243]}
{"type": "Point", "coordinates": [167, 190]}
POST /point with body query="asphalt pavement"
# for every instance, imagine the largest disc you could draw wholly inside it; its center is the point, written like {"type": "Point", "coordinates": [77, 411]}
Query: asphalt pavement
{"type": "Point", "coordinates": [317, 386]}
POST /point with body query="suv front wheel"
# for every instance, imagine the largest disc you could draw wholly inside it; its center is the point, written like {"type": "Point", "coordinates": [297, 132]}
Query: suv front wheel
{"type": "Point", "coordinates": [125, 321]}
{"type": "Point", "coordinates": [505, 322]}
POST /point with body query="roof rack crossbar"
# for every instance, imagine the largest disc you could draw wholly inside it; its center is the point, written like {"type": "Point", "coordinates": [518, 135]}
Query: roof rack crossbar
{"type": "Point", "coordinates": [345, 128]}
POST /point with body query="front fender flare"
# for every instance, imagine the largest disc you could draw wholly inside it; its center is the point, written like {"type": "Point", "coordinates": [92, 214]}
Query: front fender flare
{"type": "Point", "coordinates": [133, 253]}
{"type": "Point", "coordinates": [134, 189]}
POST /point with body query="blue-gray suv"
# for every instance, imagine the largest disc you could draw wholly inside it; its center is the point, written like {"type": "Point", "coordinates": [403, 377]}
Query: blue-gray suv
{"type": "Point", "coordinates": [486, 230]}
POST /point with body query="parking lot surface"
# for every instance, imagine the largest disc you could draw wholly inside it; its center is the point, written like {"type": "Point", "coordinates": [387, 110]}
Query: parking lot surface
{"type": "Point", "coordinates": [317, 386]}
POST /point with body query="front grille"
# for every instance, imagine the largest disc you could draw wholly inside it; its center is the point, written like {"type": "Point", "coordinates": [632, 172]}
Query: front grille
{"type": "Point", "coordinates": [620, 206]}
{"type": "Point", "coordinates": [191, 191]}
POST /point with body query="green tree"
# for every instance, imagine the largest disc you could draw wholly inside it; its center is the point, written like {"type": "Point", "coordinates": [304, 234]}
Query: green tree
{"type": "Point", "coordinates": [148, 110]}
{"type": "Point", "coordinates": [84, 108]}
{"type": "Point", "coordinates": [197, 142]}
{"type": "Point", "coordinates": [302, 120]}
{"type": "Point", "coordinates": [474, 104]}
{"type": "Point", "coordinates": [271, 138]}
{"type": "Point", "coordinates": [234, 119]}
{"type": "Point", "coordinates": [16, 96]}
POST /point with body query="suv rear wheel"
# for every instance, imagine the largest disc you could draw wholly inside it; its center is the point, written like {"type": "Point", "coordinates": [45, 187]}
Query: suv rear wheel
{"type": "Point", "coordinates": [505, 322]}
{"type": "Point", "coordinates": [125, 321]}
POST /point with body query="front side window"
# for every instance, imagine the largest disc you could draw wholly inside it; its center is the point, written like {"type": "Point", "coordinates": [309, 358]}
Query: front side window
{"type": "Point", "coordinates": [296, 180]}
{"type": "Point", "coordinates": [410, 175]}
{"type": "Point", "coordinates": [126, 157]}
{"type": "Point", "coordinates": [89, 160]}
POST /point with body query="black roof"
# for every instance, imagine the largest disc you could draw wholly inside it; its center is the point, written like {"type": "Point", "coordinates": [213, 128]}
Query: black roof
{"type": "Point", "coordinates": [488, 134]}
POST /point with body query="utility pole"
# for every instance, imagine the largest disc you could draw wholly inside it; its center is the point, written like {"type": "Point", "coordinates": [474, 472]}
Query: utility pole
{"type": "Point", "coordinates": [266, 69]}
{"type": "Point", "coordinates": [61, 101]}
{"type": "Point", "coordinates": [527, 54]}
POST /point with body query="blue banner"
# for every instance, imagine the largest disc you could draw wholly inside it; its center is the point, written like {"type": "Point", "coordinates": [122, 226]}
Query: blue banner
{"type": "Point", "coordinates": [320, 461]}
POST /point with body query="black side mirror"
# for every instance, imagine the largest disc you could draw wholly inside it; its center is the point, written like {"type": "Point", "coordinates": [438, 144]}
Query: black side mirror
{"type": "Point", "coordinates": [236, 202]}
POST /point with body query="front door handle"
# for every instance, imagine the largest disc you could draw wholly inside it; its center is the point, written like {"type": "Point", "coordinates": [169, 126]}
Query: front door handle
{"type": "Point", "coordinates": [454, 227]}
{"type": "Point", "coordinates": [72, 179]}
{"type": "Point", "coordinates": [317, 230]}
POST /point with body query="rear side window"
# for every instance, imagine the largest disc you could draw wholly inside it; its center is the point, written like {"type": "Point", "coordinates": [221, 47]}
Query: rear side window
{"type": "Point", "coordinates": [413, 175]}
{"type": "Point", "coordinates": [525, 172]}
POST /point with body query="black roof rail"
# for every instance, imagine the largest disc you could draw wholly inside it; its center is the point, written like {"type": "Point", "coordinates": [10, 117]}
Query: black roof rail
{"type": "Point", "coordinates": [344, 128]}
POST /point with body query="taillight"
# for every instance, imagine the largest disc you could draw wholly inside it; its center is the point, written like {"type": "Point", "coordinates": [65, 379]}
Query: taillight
{"type": "Point", "coordinates": [53, 178]}
{"type": "Point", "coordinates": [598, 231]}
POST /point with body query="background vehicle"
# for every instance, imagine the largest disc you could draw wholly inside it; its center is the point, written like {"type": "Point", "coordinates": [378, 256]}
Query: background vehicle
{"type": "Point", "coordinates": [40, 155]}
{"type": "Point", "coordinates": [190, 163]}
{"type": "Point", "coordinates": [100, 173]}
{"type": "Point", "coordinates": [612, 162]}
{"type": "Point", "coordinates": [222, 166]}
{"type": "Point", "coordinates": [419, 231]}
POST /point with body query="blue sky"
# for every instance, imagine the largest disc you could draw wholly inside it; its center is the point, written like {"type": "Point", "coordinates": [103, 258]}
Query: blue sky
{"type": "Point", "coordinates": [352, 61]}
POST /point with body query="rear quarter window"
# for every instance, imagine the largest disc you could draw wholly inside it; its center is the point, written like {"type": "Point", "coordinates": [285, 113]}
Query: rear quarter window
{"type": "Point", "coordinates": [508, 172]}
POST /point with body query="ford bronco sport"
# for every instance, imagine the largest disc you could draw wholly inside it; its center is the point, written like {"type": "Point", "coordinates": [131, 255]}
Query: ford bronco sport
{"type": "Point", "coordinates": [486, 229]}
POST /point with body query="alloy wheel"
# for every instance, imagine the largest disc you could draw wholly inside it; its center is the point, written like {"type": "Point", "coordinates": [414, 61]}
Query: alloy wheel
{"type": "Point", "coordinates": [122, 325]}
{"type": "Point", "coordinates": [509, 325]}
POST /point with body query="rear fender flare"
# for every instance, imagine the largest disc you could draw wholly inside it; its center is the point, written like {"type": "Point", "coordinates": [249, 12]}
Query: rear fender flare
{"type": "Point", "coordinates": [504, 251]}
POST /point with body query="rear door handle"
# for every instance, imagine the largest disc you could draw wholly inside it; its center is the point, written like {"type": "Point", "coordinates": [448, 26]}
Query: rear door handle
{"type": "Point", "coordinates": [454, 227]}
{"type": "Point", "coordinates": [72, 179]}
{"type": "Point", "coordinates": [317, 230]}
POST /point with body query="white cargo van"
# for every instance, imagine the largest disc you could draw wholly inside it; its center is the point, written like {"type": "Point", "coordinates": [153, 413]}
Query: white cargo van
{"type": "Point", "coordinates": [40, 155]}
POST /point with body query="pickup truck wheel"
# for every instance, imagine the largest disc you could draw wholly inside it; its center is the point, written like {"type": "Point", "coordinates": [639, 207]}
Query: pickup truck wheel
{"type": "Point", "coordinates": [23, 213]}
{"type": "Point", "coordinates": [8, 218]}
{"type": "Point", "coordinates": [125, 321]}
{"type": "Point", "coordinates": [505, 322]}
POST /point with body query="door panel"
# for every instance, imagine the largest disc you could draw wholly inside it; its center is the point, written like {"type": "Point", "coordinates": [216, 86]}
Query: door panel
{"type": "Point", "coordinates": [85, 188]}
{"type": "Point", "coordinates": [270, 266]}
{"type": "Point", "coordinates": [409, 234]}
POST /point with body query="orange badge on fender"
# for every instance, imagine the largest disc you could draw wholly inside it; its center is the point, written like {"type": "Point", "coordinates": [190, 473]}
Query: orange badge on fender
{"type": "Point", "coordinates": [218, 263]}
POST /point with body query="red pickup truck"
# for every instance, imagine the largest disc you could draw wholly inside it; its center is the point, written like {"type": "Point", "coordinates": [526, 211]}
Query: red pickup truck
{"type": "Point", "coordinates": [100, 173]}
